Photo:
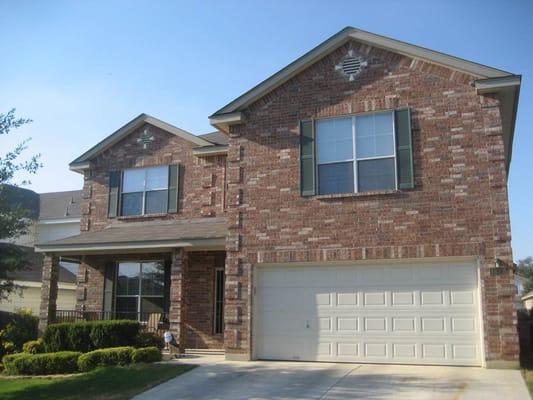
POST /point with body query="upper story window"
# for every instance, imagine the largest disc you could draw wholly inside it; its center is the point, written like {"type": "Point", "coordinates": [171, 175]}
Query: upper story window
{"type": "Point", "coordinates": [356, 154]}
{"type": "Point", "coordinates": [362, 153]}
{"type": "Point", "coordinates": [144, 191]}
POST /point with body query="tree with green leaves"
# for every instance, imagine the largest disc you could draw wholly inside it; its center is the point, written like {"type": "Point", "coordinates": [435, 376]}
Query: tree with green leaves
{"type": "Point", "coordinates": [524, 268]}
{"type": "Point", "coordinates": [14, 214]}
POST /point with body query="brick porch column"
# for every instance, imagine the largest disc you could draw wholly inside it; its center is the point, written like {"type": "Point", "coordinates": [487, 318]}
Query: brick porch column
{"type": "Point", "coordinates": [50, 277]}
{"type": "Point", "coordinates": [178, 304]}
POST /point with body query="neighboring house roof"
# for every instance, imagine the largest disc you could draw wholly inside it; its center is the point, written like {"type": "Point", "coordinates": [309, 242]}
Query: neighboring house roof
{"type": "Point", "coordinates": [80, 162]}
{"type": "Point", "coordinates": [489, 80]}
{"type": "Point", "coordinates": [137, 235]}
{"type": "Point", "coordinates": [58, 205]}
{"type": "Point", "coordinates": [34, 271]}
{"type": "Point", "coordinates": [44, 206]}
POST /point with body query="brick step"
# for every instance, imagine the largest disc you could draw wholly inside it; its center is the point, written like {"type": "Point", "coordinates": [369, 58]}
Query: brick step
{"type": "Point", "coordinates": [205, 351]}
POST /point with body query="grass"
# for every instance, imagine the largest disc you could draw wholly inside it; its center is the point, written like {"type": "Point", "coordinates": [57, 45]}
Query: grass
{"type": "Point", "coordinates": [111, 383]}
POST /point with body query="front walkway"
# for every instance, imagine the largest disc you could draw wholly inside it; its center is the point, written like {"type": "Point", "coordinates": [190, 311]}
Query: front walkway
{"type": "Point", "coordinates": [216, 378]}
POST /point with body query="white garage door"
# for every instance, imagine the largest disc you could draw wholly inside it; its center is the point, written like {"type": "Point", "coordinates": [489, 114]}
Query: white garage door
{"type": "Point", "coordinates": [398, 313]}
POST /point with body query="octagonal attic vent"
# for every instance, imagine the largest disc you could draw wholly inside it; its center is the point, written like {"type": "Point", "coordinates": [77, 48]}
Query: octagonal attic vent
{"type": "Point", "coordinates": [351, 65]}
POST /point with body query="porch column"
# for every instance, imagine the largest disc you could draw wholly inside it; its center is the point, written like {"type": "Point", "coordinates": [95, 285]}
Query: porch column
{"type": "Point", "coordinates": [178, 304]}
{"type": "Point", "coordinates": [50, 277]}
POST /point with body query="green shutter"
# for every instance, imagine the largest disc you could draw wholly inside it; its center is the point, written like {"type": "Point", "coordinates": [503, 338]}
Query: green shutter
{"type": "Point", "coordinates": [404, 149]}
{"type": "Point", "coordinates": [109, 281]}
{"type": "Point", "coordinates": [173, 187]}
{"type": "Point", "coordinates": [114, 193]}
{"type": "Point", "coordinates": [307, 159]}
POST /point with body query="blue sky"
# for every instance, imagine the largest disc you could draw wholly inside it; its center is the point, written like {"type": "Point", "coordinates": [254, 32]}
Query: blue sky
{"type": "Point", "coordinates": [81, 70]}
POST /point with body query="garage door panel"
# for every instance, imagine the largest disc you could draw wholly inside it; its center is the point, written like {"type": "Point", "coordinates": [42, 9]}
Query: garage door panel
{"type": "Point", "coordinates": [394, 313]}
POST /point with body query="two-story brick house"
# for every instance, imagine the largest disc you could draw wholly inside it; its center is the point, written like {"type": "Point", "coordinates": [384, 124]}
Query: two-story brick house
{"type": "Point", "coordinates": [351, 207]}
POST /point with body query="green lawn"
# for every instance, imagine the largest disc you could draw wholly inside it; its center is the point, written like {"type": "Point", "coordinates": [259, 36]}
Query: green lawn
{"type": "Point", "coordinates": [103, 383]}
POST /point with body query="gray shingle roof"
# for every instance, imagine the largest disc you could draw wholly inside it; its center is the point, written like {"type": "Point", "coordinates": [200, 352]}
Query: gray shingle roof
{"type": "Point", "coordinates": [60, 205]}
{"type": "Point", "coordinates": [216, 137]}
{"type": "Point", "coordinates": [146, 232]}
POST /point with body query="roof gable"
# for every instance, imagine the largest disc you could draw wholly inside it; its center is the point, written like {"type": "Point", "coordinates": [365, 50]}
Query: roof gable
{"type": "Point", "coordinates": [505, 85]}
{"type": "Point", "coordinates": [349, 33]}
{"type": "Point", "coordinates": [129, 128]}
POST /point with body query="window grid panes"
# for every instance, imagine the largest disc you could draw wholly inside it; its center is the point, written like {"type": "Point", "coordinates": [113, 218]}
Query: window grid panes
{"type": "Point", "coordinates": [356, 154]}
{"type": "Point", "coordinates": [140, 289]}
{"type": "Point", "coordinates": [145, 191]}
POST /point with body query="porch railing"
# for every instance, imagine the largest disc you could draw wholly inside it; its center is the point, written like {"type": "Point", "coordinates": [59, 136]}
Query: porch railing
{"type": "Point", "coordinates": [149, 321]}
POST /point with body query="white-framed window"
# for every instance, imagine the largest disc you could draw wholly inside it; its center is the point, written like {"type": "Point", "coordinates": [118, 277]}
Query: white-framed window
{"type": "Point", "coordinates": [140, 289]}
{"type": "Point", "coordinates": [356, 154]}
{"type": "Point", "coordinates": [144, 191]}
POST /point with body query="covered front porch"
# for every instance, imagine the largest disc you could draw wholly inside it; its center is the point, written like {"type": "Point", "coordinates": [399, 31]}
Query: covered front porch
{"type": "Point", "coordinates": [168, 276]}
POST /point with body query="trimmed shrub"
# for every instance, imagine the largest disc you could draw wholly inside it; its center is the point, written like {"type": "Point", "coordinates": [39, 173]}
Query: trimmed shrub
{"type": "Point", "coordinates": [33, 346]}
{"type": "Point", "coordinates": [21, 328]}
{"type": "Point", "coordinates": [146, 355]}
{"type": "Point", "coordinates": [9, 362]}
{"type": "Point", "coordinates": [78, 336]}
{"type": "Point", "coordinates": [105, 357]}
{"type": "Point", "coordinates": [92, 335]}
{"type": "Point", "coordinates": [149, 339]}
{"type": "Point", "coordinates": [63, 362]}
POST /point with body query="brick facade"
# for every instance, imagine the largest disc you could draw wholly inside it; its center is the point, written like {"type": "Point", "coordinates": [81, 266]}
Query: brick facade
{"type": "Point", "coordinates": [202, 194]}
{"type": "Point", "coordinates": [200, 295]}
{"type": "Point", "coordinates": [191, 292]}
{"type": "Point", "coordinates": [458, 206]}
{"type": "Point", "coordinates": [202, 189]}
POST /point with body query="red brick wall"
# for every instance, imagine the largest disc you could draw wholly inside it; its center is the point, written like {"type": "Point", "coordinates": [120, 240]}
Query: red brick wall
{"type": "Point", "coordinates": [200, 295]}
{"type": "Point", "coordinates": [198, 291]}
{"type": "Point", "coordinates": [90, 290]}
{"type": "Point", "coordinates": [202, 187]}
{"type": "Point", "coordinates": [458, 207]}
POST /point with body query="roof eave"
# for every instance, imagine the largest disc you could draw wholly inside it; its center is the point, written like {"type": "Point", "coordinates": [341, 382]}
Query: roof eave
{"type": "Point", "coordinates": [224, 121]}
{"type": "Point", "coordinates": [507, 89]}
{"type": "Point", "coordinates": [79, 167]}
{"type": "Point", "coordinates": [155, 245]}
{"type": "Point", "coordinates": [210, 151]}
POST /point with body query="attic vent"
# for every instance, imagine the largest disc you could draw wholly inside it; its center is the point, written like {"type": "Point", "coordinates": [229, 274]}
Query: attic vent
{"type": "Point", "coordinates": [351, 65]}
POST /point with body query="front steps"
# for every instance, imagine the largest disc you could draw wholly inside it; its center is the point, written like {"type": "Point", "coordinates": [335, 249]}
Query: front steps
{"type": "Point", "coordinates": [210, 352]}
{"type": "Point", "coordinates": [192, 353]}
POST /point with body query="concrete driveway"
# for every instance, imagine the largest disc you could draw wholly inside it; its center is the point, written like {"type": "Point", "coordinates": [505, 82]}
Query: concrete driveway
{"type": "Point", "coordinates": [219, 379]}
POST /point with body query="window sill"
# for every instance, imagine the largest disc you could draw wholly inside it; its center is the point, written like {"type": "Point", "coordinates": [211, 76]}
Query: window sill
{"type": "Point", "coordinates": [129, 217]}
{"type": "Point", "coordinates": [361, 194]}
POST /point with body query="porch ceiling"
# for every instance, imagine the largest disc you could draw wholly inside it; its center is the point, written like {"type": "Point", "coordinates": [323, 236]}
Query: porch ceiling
{"type": "Point", "coordinates": [201, 233]}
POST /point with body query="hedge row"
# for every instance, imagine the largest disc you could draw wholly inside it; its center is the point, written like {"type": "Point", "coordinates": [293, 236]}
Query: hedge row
{"type": "Point", "coordinates": [87, 336]}
{"type": "Point", "coordinates": [105, 358]}
{"type": "Point", "coordinates": [63, 362]}
{"type": "Point", "coordinates": [68, 361]}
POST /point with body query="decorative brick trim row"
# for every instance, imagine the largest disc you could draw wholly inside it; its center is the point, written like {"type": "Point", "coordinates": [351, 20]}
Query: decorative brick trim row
{"type": "Point", "coordinates": [368, 253]}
